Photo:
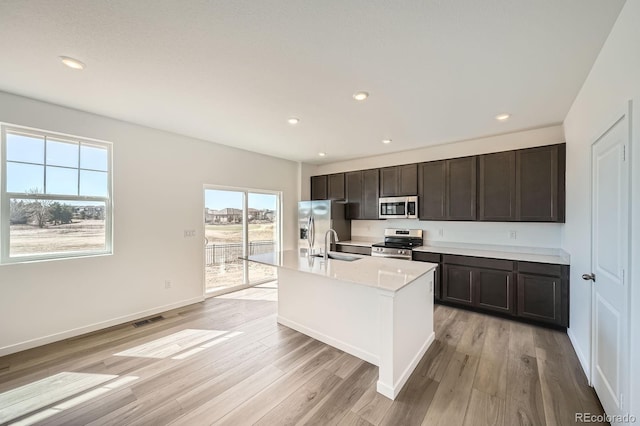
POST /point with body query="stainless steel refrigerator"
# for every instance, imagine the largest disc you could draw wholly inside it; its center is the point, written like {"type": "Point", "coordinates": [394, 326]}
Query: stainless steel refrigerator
{"type": "Point", "coordinates": [315, 218]}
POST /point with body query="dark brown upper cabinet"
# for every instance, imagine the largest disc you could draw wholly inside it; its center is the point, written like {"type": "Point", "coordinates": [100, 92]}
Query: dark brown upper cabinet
{"type": "Point", "coordinates": [461, 188]}
{"type": "Point", "coordinates": [319, 187]}
{"type": "Point", "coordinates": [399, 180]}
{"type": "Point", "coordinates": [431, 190]}
{"type": "Point", "coordinates": [540, 184]}
{"type": "Point", "coordinates": [447, 189]}
{"type": "Point", "coordinates": [335, 186]}
{"type": "Point", "coordinates": [497, 186]}
{"type": "Point", "coordinates": [328, 187]}
{"type": "Point", "coordinates": [362, 194]}
{"type": "Point", "coordinates": [370, 193]}
{"type": "Point", "coordinates": [526, 185]}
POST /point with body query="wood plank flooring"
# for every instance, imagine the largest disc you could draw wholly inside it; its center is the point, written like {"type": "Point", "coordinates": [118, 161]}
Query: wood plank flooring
{"type": "Point", "coordinates": [227, 362]}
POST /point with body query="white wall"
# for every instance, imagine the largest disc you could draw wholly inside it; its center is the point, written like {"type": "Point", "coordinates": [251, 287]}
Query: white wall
{"type": "Point", "coordinates": [158, 193]}
{"type": "Point", "coordinates": [613, 80]}
{"type": "Point", "coordinates": [305, 173]}
{"type": "Point", "coordinates": [537, 235]}
{"type": "Point", "coordinates": [527, 234]}
{"type": "Point", "coordinates": [525, 139]}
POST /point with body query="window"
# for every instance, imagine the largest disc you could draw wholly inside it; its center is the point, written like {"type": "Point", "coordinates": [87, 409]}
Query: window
{"type": "Point", "coordinates": [56, 195]}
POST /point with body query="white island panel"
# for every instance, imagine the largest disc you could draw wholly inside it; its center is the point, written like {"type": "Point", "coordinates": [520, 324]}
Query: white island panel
{"type": "Point", "coordinates": [338, 313]}
{"type": "Point", "coordinates": [408, 335]}
{"type": "Point", "coordinates": [377, 309]}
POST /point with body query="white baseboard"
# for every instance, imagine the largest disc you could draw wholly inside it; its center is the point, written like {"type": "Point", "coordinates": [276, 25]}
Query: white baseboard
{"type": "Point", "coordinates": [6, 350]}
{"type": "Point", "coordinates": [350, 349]}
{"type": "Point", "coordinates": [385, 390]}
{"type": "Point", "coordinates": [391, 392]}
{"type": "Point", "coordinates": [586, 367]}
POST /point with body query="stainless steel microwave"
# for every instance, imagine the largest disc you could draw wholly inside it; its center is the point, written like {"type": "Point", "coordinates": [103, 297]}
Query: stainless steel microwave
{"type": "Point", "coordinates": [398, 207]}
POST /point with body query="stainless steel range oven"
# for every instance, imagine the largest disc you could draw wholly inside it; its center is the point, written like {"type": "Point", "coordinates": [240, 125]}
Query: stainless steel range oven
{"type": "Point", "coordinates": [398, 243]}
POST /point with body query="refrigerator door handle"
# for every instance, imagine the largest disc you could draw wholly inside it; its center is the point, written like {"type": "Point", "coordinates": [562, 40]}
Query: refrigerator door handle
{"type": "Point", "coordinates": [312, 232]}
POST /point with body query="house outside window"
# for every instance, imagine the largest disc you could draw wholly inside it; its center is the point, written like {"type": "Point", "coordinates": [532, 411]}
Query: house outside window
{"type": "Point", "coordinates": [56, 195]}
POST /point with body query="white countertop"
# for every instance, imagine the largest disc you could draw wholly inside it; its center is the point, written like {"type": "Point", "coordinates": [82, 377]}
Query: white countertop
{"type": "Point", "coordinates": [383, 273]}
{"type": "Point", "coordinates": [527, 254]}
{"type": "Point", "coordinates": [494, 251]}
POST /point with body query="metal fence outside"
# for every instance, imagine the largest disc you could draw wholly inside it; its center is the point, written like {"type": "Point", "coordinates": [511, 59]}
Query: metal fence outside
{"type": "Point", "coordinates": [230, 252]}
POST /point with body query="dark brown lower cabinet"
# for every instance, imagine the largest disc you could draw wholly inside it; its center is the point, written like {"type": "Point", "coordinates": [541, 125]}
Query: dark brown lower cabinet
{"type": "Point", "coordinates": [495, 290]}
{"type": "Point", "coordinates": [477, 287]}
{"type": "Point", "coordinates": [457, 284]}
{"type": "Point", "coordinates": [540, 298]}
{"type": "Point", "coordinates": [348, 248]}
{"type": "Point", "coordinates": [533, 291]}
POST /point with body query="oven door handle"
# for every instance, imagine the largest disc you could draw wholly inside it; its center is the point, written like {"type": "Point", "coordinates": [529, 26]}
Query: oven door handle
{"type": "Point", "coordinates": [391, 256]}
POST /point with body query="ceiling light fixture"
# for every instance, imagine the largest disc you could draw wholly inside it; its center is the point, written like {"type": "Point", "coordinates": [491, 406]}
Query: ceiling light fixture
{"type": "Point", "coordinates": [293, 120]}
{"type": "Point", "coordinates": [360, 96]}
{"type": "Point", "coordinates": [322, 154]}
{"type": "Point", "coordinates": [503, 117]}
{"type": "Point", "coordinates": [386, 141]}
{"type": "Point", "coordinates": [72, 63]}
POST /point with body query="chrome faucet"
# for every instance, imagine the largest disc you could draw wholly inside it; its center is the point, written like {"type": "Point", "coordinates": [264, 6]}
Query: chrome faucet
{"type": "Point", "coordinates": [326, 243]}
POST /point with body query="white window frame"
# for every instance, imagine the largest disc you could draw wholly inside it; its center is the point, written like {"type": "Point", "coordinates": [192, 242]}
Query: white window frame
{"type": "Point", "coordinates": [5, 197]}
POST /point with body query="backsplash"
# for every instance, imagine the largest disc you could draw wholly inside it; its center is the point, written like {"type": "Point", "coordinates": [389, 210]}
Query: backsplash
{"type": "Point", "coordinates": [496, 233]}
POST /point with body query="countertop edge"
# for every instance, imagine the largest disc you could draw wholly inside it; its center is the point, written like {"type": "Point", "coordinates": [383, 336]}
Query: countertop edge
{"type": "Point", "coordinates": [495, 254]}
{"type": "Point", "coordinates": [392, 289]}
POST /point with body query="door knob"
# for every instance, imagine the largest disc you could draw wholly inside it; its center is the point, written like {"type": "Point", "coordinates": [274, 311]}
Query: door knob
{"type": "Point", "coordinates": [589, 277]}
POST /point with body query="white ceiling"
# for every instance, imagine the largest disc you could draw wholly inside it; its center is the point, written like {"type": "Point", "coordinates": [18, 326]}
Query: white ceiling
{"type": "Point", "coordinates": [233, 71]}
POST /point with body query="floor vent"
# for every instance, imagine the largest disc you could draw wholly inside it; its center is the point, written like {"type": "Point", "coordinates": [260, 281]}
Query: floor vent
{"type": "Point", "coordinates": [148, 321]}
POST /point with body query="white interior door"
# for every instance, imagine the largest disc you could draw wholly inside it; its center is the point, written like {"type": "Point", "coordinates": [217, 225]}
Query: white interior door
{"type": "Point", "coordinates": [609, 260]}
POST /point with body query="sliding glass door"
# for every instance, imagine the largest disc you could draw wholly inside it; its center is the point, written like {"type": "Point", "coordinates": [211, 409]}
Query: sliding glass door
{"type": "Point", "coordinates": [239, 223]}
{"type": "Point", "coordinates": [263, 233]}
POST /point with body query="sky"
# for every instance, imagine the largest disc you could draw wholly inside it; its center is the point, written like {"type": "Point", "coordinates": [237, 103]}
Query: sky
{"type": "Point", "coordinates": [71, 168]}
{"type": "Point", "coordinates": [217, 199]}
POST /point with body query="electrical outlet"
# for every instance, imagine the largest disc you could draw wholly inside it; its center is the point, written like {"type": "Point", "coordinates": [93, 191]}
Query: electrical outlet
{"type": "Point", "coordinates": [167, 284]}
{"type": "Point", "coordinates": [189, 233]}
{"type": "Point", "coordinates": [441, 232]}
{"type": "Point", "coordinates": [513, 235]}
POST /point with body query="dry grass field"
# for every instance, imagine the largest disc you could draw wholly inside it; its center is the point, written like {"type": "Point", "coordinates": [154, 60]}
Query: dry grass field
{"type": "Point", "coordinates": [232, 233]}
{"type": "Point", "coordinates": [81, 235]}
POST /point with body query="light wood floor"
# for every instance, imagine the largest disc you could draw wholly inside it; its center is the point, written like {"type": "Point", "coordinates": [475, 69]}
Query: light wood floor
{"type": "Point", "coordinates": [227, 361]}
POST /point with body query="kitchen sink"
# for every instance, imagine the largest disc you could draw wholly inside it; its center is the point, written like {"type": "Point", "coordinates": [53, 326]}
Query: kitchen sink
{"type": "Point", "coordinates": [339, 256]}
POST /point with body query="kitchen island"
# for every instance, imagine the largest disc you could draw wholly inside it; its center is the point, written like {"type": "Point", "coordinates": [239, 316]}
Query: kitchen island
{"type": "Point", "coordinates": [377, 309]}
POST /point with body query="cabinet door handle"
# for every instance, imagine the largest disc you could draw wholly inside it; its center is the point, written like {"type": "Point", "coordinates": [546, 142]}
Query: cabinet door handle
{"type": "Point", "coordinates": [508, 299]}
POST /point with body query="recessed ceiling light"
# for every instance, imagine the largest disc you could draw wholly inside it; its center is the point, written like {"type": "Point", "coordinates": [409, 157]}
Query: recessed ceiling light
{"type": "Point", "coordinates": [72, 63]}
{"type": "Point", "coordinates": [503, 117]}
{"type": "Point", "coordinates": [386, 141]}
{"type": "Point", "coordinates": [322, 154]}
{"type": "Point", "coordinates": [293, 120]}
{"type": "Point", "coordinates": [360, 96]}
